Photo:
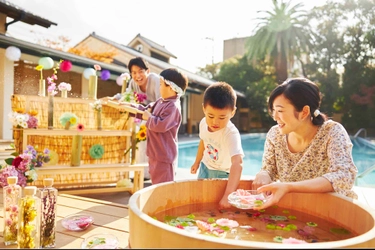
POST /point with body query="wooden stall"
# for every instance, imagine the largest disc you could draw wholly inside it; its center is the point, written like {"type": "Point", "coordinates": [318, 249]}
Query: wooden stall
{"type": "Point", "coordinates": [116, 135]}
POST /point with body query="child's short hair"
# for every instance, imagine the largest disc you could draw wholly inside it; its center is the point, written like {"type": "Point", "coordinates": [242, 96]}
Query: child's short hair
{"type": "Point", "coordinates": [138, 61]}
{"type": "Point", "coordinates": [174, 75]}
{"type": "Point", "coordinates": [220, 95]}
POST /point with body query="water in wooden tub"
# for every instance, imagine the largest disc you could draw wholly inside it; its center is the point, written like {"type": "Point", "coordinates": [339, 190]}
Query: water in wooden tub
{"type": "Point", "coordinates": [274, 224]}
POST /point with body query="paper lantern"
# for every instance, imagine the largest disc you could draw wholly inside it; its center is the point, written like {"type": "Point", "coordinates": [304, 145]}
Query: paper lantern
{"type": "Point", "coordinates": [46, 62]}
{"type": "Point", "coordinates": [13, 53]}
{"type": "Point", "coordinates": [65, 66]}
{"type": "Point", "coordinates": [105, 74]}
{"type": "Point", "coordinates": [89, 72]}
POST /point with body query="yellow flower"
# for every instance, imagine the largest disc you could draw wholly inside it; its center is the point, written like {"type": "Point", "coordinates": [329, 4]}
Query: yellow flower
{"type": "Point", "coordinates": [33, 112]}
{"type": "Point", "coordinates": [32, 215]}
{"type": "Point", "coordinates": [141, 135]}
{"type": "Point", "coordinates": [73, 120]}
{"type": "Point", "coordinates": [142, 127]}
{"type": "Point", "coordinates": [40, 68]}
{"type": "Point", "coordinates": [19, 110]}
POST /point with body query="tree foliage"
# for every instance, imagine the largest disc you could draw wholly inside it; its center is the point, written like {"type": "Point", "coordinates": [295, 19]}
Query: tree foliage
{"type": "Point", "coordinates": [256, 82]}
{"type": "Point", "coordinates": [280, 36]}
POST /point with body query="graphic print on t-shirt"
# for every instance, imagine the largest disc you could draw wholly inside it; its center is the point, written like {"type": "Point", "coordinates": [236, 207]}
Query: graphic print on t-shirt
{"type": "Point", "coordinates": [212, 152]}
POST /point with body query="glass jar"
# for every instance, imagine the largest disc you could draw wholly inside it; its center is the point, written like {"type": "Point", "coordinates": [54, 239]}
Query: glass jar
{"type": "Point", "coordinates": [48, 199]}
{"type": "Point", "coordinates": [29, 219]}
{"type": "Point", "coordinates": [12, 195]}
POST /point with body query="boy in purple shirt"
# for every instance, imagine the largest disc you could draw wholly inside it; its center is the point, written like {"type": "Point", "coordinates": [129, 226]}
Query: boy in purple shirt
{"type": "Point", "coordinates": [163, 119]}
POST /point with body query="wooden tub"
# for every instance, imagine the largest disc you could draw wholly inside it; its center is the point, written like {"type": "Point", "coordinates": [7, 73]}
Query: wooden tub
{"type": "Point", "coordinates": [146, 232]}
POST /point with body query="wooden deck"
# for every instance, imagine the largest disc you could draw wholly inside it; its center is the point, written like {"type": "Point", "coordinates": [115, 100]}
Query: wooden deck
{"type": "Point", "coordinates": [108, 217]}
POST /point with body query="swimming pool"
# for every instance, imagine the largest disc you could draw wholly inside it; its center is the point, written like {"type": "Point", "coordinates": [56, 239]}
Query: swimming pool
{"type": "Point", "coordinates": [253, 146]}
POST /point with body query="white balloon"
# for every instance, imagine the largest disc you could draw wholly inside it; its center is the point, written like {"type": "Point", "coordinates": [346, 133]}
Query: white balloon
{"type": "Point", "coordinates": [89, 72]}
{"type": "Point", "coordinates": [13, 53]}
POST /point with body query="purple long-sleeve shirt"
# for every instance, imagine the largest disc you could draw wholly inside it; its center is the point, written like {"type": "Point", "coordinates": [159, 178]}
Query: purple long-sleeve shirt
{"type": "Point", "coordinates": [162, 128]}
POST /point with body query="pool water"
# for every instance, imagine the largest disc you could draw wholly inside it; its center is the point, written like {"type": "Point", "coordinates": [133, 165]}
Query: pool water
{"type": "Point", "coordinates": [253, 146]}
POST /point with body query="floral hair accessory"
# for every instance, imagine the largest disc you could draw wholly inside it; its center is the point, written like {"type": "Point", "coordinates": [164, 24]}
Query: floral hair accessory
{"type": "Point", "coordinates": [174, 86]}
{"type": "Point", "coordinates": [316, 113]}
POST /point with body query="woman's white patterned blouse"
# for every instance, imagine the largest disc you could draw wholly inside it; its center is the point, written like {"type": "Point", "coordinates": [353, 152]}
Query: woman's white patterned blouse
{"type": "Point", "coordinates": [329, 155]}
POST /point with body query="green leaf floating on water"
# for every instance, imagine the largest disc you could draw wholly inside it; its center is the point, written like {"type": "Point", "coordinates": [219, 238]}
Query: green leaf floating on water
{"type": "Point", "coordinates": [339, 231]}
{"type": "Point", "coordinates": [311, 224]}
{"type": "Point", "coordinates": [278, 239]}
{"type": "Point", "coordinates": [95, 242]}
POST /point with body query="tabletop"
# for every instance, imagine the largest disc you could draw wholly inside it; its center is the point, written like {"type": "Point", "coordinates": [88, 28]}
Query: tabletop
{"type": "Point", "coordinates": [108, 217]}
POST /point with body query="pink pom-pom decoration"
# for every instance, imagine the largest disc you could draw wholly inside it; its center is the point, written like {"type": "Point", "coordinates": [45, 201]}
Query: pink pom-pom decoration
{"type": "Point", "coordinates": [105, 75]}
{"type": "Point", "coordinates": [65, 66]}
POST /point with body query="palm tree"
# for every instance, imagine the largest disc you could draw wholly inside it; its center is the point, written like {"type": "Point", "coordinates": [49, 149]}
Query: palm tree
{"type": "Point", "coordinates": [280, 37]}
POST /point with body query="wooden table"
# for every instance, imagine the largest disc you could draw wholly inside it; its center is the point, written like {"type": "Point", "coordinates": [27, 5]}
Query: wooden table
{"type": "Point", "coordinates": [109, 218]}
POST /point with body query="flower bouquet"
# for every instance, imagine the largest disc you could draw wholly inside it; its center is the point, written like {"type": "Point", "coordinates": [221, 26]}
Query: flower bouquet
{"type": "Point", "coordinates": [23, 166]}
{"type": "Point", "coordinates": [20, 119]}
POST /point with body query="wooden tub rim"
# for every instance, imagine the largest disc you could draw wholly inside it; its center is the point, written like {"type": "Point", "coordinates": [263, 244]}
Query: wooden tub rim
{"type": "Point", "coordinates": [368, 236]}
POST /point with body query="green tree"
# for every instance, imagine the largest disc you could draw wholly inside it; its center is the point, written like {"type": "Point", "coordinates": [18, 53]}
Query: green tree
{"type": "Point", "coordinates": [280, 37]}
{"type": "Point", "coordinates": [256, 82]}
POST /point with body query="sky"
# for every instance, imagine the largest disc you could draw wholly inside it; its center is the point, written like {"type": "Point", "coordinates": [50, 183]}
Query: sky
{"type": "Point", "coordinates": [192, 30]}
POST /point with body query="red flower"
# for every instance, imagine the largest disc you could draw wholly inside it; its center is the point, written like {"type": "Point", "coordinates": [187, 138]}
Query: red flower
{"type": "Point", "coordinates": [80, 127]}
{"type": "Point", "coordinates": [16, 161]}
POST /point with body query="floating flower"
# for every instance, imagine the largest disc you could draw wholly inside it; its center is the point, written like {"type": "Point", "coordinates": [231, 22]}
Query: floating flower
{"type": "Point", "coordinates": [204, 226]}
{"type": "Point", "coordinates": [227, 223]}
{"type": "Point", "coordinates": [311, 224]}
{"type": "Point", "coordinates": [293, 241]}
{"type": "Point", "coordinates": [278, 239]}
{"type": "Point", "coordinates": [96, 151]}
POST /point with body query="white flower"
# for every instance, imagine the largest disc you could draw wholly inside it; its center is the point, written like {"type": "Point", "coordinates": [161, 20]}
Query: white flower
{"type": "Point", "coordinates": [97, 105]}
{"type": "Point", "coordinates": [65, 86]}
{"type": "Point", "coordinates": [18, 119]}
{"type": "Point", "coordinates": [125, 77]}
{"type": "Point", "coordinates": [32, 174]}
